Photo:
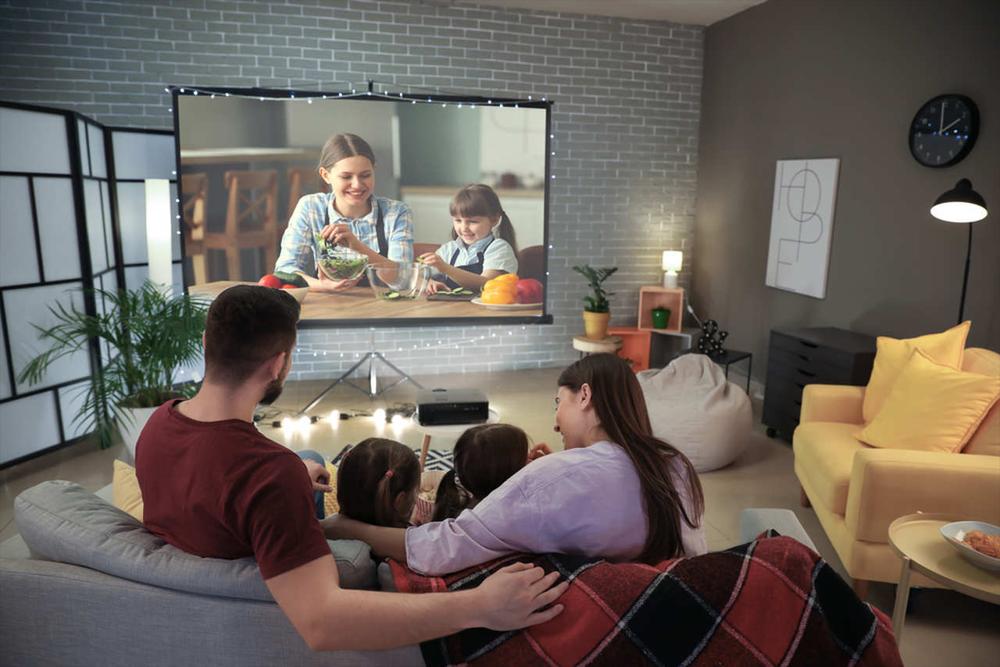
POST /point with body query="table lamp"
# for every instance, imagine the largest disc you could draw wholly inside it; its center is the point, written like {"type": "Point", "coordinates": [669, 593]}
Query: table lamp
{"type": "Point", "coordinates": [960, 205]}
{"type": "Point", "coordinates": [672, 262]}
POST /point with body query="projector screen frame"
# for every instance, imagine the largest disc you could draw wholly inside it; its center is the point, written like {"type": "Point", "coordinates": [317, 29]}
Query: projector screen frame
{"type": "Point", "coordinates": [371, 95]}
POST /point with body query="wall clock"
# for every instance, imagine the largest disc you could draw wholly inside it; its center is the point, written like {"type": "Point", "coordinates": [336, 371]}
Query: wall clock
{"type": "Point", "coordinates": [944, 130]}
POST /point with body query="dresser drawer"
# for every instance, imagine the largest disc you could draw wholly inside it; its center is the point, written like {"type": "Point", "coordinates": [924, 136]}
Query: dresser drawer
{"type": "Point", "coordinates": [784, 364]}
{"type": "Point", "coordinates": [806, 352]}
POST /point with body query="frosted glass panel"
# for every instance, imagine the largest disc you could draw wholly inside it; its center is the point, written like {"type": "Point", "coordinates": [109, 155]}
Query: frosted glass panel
{"type": "Point", "coordinates": [143, 155]}
{"type": "Point", "coordinates": [135, 276]}
{"type": "Point", "coordinates": [29, 306]}
{"type": "Point", "coordinates": [132, 221]}
{"type": "Point", "coordinates": [18, 258]}
{"type": "Point", "coordinates": [33, 141]}
{"type": "Point", "coordinates": [28, 425]}
{"type": "Point", "coordinates": [97, 160]}
{"type": "Point", "coordinates": [178, 284]}
{"type": "Point", "coordinates": [81, 131]}
{"type": "Point", "coordinates": [5, 390]}
{"type": "Point", "coordinates": [95, 226]}
{"type": "Point", "coordinates": [176, 223]}
{"type": "Point", "coordinates": [71, 398]}
{"type": "Point", "coordinates": [57, 228]}
{"type": "Point", "coordinates": [108, 229]}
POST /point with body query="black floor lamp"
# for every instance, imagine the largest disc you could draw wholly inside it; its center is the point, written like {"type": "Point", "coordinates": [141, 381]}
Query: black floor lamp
{"type": "Point", "coordinates": [962, 205]}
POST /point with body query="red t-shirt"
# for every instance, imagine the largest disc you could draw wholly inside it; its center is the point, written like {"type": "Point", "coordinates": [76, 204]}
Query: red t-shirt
{"type": "Point", "coordinates": [222, 490]}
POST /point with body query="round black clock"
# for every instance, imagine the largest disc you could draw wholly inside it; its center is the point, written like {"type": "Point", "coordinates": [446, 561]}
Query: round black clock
{"type": "Point", "coordinates": [944, 130]}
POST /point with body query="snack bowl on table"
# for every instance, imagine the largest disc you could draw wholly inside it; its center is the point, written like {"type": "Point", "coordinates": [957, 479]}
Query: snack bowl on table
{"type": "Point", "coordinates": [956, 533]}
{"type": "Point", "coordinates": [398, 282]}
{"type": "Point", "coordinates": [341, 263]}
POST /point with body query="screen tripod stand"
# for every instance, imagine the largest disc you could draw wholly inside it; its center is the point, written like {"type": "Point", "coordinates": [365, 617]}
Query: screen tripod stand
{"type": "Point", "coordinates": [372, 391]}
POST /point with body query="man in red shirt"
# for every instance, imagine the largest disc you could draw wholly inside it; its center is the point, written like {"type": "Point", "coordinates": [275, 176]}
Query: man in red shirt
{"type": "Point", "coordinates": [214, 486]}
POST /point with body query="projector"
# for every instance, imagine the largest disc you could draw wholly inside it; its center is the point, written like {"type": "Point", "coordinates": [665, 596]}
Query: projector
{"type": "Point", "coordinates": [442, 407]}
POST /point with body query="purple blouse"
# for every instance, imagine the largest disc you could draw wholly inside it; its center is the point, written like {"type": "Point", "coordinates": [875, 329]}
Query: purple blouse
{"type": "Point", "coordinates": [585, 501]}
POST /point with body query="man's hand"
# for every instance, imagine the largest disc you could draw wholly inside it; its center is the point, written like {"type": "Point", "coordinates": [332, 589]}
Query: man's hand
{"type": "Point", "coordinates": [319, 476]}
{"type": "Point", "coordinates": [538, 451]}
{"type": "Point", "coordinates": [512, 597]}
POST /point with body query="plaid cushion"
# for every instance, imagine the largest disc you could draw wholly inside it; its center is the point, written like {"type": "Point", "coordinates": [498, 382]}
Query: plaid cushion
{"type": "Point", "coordinates": [772, 601]}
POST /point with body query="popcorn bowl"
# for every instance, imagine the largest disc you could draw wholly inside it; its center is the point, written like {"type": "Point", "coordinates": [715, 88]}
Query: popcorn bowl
{"type": "Point", "coordinates": [398, 282]}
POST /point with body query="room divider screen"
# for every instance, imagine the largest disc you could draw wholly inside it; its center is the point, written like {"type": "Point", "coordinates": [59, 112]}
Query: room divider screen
{"type": "Point", "coordinates": [72, 218]}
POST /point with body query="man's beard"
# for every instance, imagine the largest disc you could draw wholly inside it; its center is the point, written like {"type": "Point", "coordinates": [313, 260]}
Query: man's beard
{"type": "Point", "coordinates": [273, 391]}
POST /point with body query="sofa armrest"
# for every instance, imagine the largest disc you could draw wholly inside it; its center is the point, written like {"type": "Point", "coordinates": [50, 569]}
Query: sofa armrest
{"type": "Point", "coordinates": [832, 403]}
{"type": "Point", "coordinates": [889, 483]}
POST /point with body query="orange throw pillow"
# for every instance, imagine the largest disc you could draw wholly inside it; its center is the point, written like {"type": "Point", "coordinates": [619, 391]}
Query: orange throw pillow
{"type": "Point", "coordinates": [891, 355]}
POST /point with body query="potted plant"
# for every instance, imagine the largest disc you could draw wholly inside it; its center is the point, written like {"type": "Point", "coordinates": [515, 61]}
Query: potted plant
{"type": "Point", "coordinates": [596, 313]}
{"type": "Point", "coordinates": [150, 334]}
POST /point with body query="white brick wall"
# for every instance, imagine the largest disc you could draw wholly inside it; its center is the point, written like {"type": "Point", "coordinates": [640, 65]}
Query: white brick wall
{"type": "Point", "coordinates": [627, 103]}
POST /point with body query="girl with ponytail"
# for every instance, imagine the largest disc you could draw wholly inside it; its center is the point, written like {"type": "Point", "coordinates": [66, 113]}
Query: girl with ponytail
{"type": "Point", "coordinates": [377, 482]}
{"type": "Point", "coordinates": [483, 244]}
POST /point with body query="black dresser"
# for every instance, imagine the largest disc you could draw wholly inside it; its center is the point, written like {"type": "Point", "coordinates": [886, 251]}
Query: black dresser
{"type": "Point", "coordinates": [819, 355]}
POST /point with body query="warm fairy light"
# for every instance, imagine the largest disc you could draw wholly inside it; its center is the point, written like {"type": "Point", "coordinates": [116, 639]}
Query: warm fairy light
{"type": "Point", "coordinates": [379, 415]}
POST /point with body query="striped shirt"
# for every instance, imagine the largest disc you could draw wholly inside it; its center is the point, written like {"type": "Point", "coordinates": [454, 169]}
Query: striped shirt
{"type": "Point", "coordinates": [298, 245]}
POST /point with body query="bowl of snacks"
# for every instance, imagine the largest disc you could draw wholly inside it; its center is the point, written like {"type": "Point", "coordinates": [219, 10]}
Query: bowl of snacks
{"type": "Point", "coordinates": [977, 541]}
{"type": "Point", "coordinates": [398, 282]}
{"type": "Point", "coordinates": [339, 262]}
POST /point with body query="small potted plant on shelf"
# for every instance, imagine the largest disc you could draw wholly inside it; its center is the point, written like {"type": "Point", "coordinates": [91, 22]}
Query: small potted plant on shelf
{"type": "Point", "coordinates": [146, 337]}
{"type": "Point", "coordinates": [596, 312]}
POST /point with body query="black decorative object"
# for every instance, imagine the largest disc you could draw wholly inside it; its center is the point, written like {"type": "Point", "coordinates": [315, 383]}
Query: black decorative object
{"type": "Point", "coordinates": [712, 340]}
{"type": "Point", "coordinates": [944, 130]}
{"type": "Point", "coordinates": [963, 205]}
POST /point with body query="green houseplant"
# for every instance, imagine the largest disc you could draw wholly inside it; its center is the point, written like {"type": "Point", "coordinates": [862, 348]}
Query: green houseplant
{"type": "Point", "coordinates": [150, 336]}
{"type": "Point", "coordinates": [596, 312]}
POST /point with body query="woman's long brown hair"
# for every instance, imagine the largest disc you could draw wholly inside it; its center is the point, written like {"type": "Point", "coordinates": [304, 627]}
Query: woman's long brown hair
{"type": "Point", "coordinates": [621, 411]}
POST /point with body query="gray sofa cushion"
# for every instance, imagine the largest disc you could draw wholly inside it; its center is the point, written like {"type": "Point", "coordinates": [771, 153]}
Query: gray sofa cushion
{"type": "Point", "coordinates": [60, 521]}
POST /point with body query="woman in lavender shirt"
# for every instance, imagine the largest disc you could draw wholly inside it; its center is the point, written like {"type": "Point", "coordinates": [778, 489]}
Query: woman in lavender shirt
{"type": "Point", "coordinates": [616, 491]}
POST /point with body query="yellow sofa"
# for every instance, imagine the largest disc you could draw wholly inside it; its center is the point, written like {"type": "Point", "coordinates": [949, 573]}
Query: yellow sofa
{"type": "Point", "coordinates": [857, 490]}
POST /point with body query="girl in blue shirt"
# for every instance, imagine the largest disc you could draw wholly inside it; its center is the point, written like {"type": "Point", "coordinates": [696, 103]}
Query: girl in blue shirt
{"type": "Point", "coordinates": [483, 245]}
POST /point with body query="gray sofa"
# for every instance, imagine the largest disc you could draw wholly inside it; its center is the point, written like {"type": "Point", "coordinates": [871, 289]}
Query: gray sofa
{"type": "Point", "coordinates": [95, 588]}
{"type": "Point", "coordinates": [98, 589]}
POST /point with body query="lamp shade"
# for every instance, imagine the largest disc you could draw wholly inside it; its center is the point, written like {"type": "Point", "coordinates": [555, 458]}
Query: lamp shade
{"type": "Point", "coordinates": [673, 260]}
{"type": "Point", "coordinates": [961, 204]}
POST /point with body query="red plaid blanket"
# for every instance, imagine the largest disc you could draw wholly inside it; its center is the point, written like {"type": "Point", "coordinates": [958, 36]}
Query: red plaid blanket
{"type": "Point", "coordinates": [772, 601]}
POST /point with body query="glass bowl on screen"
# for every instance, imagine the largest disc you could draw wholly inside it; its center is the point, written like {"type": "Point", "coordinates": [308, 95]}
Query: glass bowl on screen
{"type": "Point", "coordinates": [398, 282]}
{"type": "Point", "coordinates": [340, 263]}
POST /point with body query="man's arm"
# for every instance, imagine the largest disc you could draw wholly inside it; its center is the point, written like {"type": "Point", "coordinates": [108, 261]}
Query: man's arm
{"type": "Point", "coordinates": [385, 542]}
{"type": "Point", "coordinates": [331, 618]}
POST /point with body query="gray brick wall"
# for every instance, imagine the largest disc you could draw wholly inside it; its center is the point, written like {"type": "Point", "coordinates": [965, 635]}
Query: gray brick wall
{"type": "Point", "coordinates": [627, 104]}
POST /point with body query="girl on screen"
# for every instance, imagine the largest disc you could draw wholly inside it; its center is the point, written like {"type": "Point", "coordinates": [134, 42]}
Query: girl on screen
{"type": "Point", "coordinates": [351, 215]}
{"type": "Point", "coordinates": [483, 245]}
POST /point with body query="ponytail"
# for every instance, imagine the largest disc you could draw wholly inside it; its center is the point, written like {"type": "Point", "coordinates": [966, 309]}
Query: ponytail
{"type": "Point", "coordinates": [505, 231]}
{"type": "Point", "coordinates": [451, 500]}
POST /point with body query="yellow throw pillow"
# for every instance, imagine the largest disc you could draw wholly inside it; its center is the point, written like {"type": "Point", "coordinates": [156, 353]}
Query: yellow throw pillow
{"type": "Point", "coordinates": [330, 504]}
{"type": "Point", "coordinates": [891, 355]}
{"type": "Point", "coordinates": [125, 490]}
{"type": "Point", "coordinates": [932, 408]}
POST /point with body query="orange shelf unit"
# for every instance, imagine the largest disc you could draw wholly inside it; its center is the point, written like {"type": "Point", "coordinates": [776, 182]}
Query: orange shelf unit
{"type": "Point", "coordinates": [671, 298]}
{"type": "Point", "coordinates": [635, 346]}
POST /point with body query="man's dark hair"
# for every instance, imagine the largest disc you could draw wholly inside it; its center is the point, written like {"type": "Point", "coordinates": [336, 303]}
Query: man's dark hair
{"type": "Point", "coordinates": [246, 326]}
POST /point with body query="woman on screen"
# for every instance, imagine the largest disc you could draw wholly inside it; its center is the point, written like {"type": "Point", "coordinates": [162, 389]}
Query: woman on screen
{"type": "Point", "coordinates": [616, 492]}
{"type": "Point", "coordinates": [351, 214]}
{"type": "Point", "coordinates": [482, 243]}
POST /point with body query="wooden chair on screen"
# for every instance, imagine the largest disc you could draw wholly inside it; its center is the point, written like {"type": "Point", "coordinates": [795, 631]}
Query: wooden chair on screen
{"type": "Point", "coordinates": [251, 220]}
{"type": "Point", "coordinates": [531, 263]}
{"type": "Point", "coordinates": [194, 198]}
{"type": "Point", "coordinates": [301, 181]}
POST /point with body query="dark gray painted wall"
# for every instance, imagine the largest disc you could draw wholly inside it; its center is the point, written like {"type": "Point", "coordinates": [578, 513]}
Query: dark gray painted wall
{"type": "Point", "coordinates": [804, 79]}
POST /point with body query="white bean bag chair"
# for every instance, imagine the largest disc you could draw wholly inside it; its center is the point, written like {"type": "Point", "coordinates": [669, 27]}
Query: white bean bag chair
{"type": "Point", "coordinates": [694, 408]}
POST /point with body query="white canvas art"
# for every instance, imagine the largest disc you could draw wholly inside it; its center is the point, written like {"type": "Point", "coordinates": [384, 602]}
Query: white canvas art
{"type": "Point", "coordinates": [802, 225]}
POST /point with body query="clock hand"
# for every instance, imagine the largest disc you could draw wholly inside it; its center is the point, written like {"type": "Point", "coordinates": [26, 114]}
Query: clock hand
{"type": "Point", "coordinates": [941, 126]}
{"type": "Point", "coordinates": [950, 124]}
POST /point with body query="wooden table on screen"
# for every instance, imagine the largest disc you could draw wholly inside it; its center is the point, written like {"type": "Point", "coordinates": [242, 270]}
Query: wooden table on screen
{"type": "Point", "coordinates": [359, 303]}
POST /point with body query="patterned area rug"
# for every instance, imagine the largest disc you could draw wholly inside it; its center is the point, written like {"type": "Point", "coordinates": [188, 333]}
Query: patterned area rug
{"type": "Point", "coordinates": [437, 459]}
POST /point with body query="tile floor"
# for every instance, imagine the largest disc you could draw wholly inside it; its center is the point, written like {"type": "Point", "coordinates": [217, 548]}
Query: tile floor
{"type": "Point", "coordinates": [942, 628]}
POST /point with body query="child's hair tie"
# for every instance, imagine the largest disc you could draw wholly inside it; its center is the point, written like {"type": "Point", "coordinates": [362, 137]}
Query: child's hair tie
{"type": "Point", "coordinates": [388, 473]}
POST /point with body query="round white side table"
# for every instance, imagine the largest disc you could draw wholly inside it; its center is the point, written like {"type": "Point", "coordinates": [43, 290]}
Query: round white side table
{"type": "Point", "coordinates": [586, 345]}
